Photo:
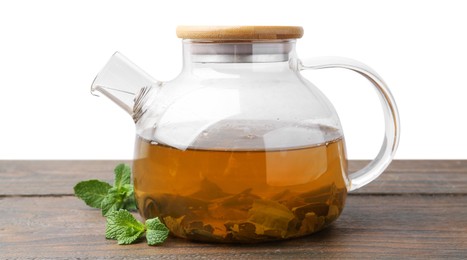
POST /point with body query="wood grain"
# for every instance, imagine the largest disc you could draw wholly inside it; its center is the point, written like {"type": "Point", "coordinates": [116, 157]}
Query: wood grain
{"type": "Point", "coordinates": [405, 226]}
{"type": "Point", "coordinates": [416, 209]}
{"type": "Point", "coordinates": [50, 177]}
{"type": "Point", "coordinates": [418, 177]}
{"type": "Point", "coordinates": [29, 178]}
{"type": "Point", "coordinates": [239, 32]}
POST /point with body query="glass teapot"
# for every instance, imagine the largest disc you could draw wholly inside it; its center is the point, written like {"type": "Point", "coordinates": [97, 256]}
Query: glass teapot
{"type": "Point", "coordinates": [239, 147]}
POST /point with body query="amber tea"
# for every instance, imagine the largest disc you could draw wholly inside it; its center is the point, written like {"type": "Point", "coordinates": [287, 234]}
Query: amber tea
{"type": "Point", "coordinates": [241, 195]}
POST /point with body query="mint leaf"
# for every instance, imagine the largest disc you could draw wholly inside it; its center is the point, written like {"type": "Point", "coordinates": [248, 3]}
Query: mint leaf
{"type": "Point", "coordinates": [126, 190]}
{"type": "Point", "coordinates": [113, 201]}
{"type": "Point", "coordinates": [156, 232]}
{"type": "Point", "coordinates": [122, 175]}
{"type": "Point", "coordinates": [122, 226]}
{"type": "Point", "coordinates": [129, 201]}
{"type": "Point", "coordinates": [119, 198]}
{"type": "Point", "coordinates": [92, 192]}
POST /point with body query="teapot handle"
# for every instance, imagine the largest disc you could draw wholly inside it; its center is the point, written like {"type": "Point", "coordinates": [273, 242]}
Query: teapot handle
{"type": "Point", "coordinates": [371, 171]}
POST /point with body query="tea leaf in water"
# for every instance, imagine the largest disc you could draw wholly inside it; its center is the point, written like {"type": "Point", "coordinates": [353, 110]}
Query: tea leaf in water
{"type": "Point", "coordinates": [309, 224]}
{"type": "Point", "coordinates": [234, 207]}
{"type": "Point", "coordinates": [175, 225]}
{"type": "Point", "coordinates": [92, 192]}
{"type": "Point", "coordinates": [197, 230]}
{"type": "Point", "coordinates": [209, 190]}
{"type": "Point", "coordinates": [179, 205]}
{"type": "Point", "coordinates": [333, 213]}
{"type": "Point", "coordinates": [244, 231]}
{"type": "Point", "coordinates": [243, 200]}
{"type": "Point", "coordinates": [288, 198]}
{"type": "Point", "coordinates": [271, 218]}
{"type": "Point", "coordinates": [320, 209]}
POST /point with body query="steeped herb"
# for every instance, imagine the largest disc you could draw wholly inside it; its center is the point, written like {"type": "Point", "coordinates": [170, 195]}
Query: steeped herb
{"type": "Point", "coordinates": [213, 215]}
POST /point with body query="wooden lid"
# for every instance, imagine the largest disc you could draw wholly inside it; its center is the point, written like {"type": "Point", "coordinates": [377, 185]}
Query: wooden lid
{"type": "Point", "coordinates": [239, 32]}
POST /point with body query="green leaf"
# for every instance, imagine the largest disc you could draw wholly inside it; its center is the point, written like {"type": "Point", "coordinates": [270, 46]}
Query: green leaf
{"type": "Point", "coordinates": [130, 204]}
{"type": "Point", "coordinates": [126, 190]}
{"type": "Point", "coordinates": [122, 226]}
{"type": "Point", "coordinates": [122, 175]}
{"type": "Point", "coordinates": [156, 232]}
{"type": "Point", "coordinates": [122, 198]}
{"type": "Point", "coordinates": [271, 218]}
{"type": "Point", "coordinates": [129, 201]}
{"type": "Point", "coordinates": [113, 201]}
{"type": "Point", "coordinates": [92, 192]}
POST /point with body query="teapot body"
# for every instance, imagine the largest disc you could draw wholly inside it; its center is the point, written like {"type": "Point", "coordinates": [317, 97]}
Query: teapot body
{"type": "Point", "coordinates": [240, 148]}
{"type": "Point", "coordinates": [239, 151]}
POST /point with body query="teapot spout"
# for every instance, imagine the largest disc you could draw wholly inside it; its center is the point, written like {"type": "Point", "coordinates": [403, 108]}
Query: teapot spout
{"type": "Point", "coordinates": [122, 82]}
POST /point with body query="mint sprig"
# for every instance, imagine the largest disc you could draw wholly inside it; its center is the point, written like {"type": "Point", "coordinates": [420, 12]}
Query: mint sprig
{"type": "Point", "coordinates": [99, 194]}
{"type": "Point", "coordinates": [123, 227]}
{"type": "Point", "coordinates": [115, 201]}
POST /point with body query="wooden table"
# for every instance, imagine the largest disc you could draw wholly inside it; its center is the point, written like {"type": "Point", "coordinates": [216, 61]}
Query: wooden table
{"type": "Point", "coordinates": [417, 209]}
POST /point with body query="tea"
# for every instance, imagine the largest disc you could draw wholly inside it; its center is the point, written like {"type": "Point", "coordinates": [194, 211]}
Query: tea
{"type": "Point", "coordinates": [241, 195]}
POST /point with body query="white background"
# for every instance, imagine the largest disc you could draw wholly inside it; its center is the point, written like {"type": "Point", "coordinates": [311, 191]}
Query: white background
{"type": "Point", "coordinates": [50, 52]}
